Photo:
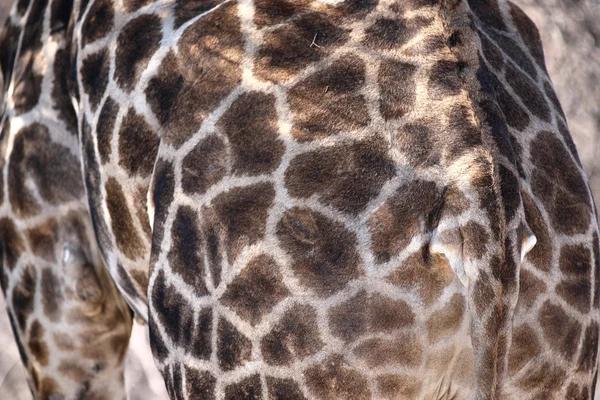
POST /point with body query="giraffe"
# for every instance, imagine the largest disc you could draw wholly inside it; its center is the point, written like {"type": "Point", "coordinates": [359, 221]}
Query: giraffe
{"type": "Point", "coordinates": [325, 199]}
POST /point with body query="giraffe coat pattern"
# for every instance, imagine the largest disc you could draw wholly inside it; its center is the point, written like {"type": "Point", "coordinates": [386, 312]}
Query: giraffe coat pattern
{"type": "Point", "coordinates": [308, 199]}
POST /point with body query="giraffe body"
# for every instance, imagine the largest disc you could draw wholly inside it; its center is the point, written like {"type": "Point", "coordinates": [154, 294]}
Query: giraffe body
{"type": "Point", "coordinates": [308, 199]}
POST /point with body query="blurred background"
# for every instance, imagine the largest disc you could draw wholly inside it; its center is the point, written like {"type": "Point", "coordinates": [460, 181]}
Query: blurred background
{"type": "Point", "coordinates": [570, 32]}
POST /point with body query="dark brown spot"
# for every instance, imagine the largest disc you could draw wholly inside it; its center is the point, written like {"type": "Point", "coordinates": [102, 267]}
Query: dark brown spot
{"type": "Point", "coordinates": [52, 295]}
{"type": "Point", "coordinates": [177, 317]}
{"type": "Point", "coordinates": [138, 145]}
{"type": "Point", "coordinates": [247, 389]}
{"type": "Point", "coordinates": [242, 215]}
{"type": "Point", "coordinates": [51, 167]}
{"type": "Point", "coordinates": [272, 12]}
{"type": "Point", "coordinates": [527, 90]}
{"type": "Point", "coordinates": [42, 239]}
{"type": "Point", "coordinates": [104, 129]}
{"type": "Point", "coordinates": [589, 349]}
{"type": "Point", "coordinates": [397, 88]}
{"type": "Point", "coordinates": [98, 22]}
{"type": "Point", "coordinates": [328, 101]}
{"type": "Point", "coordinates": [401, 350]}
{"type": "Point", "coordinates": [530, 288]}
{"type": "Point", "coordinates": [418, 143]}
{"type": "Point", "coordinates": [205, 165]}
{"type": "Point", "coordinates": [287, 50]}
{"type": "Point", "coordinates": [8, 51]}
{"type": "Point", "coordinates": [256, 290]}
{"type": "Point", "coordinates": [23, 295]}
{"type": "Point", "coordinates": [387, 33]}
{"type": "Point", "coordinates": [369, 313]}
{"type": "Point", "coordinates": [446, 321]}
{"type": "Point", "coordinates": [560, 330]}
{"type": "Point", "coordinates": [323, 252]}
{"type": "Point", "coordinates": [392, 386]}
{"type": "Point", "coordinates": [576, 292]}
{"type": "Point", "coordinates": [186, 9]}
{"type": "Point", "coordinates": [37, 346]}
{"type": "Point", "coordinates": [185, 256]}
{"type": "Point", "coordinates": [492, 54]}
{"type": "Point", "coordinates": [559, 184]}
{"type": "Point", "coordinates": [333, 378]}
{"type": "Point", "coordinates": [428, 276]}
{"type": "Point", "coordinates": [346, 177]}
{"type": "Point", "coordinates": [284, 389]}
{"type": "Point", "coordinates": [136, 44]}
{"type": "Point", "coordinates": [488, 12]}
{"type": "Point", "coordinates": [525, 347]}
{"type": "Point", "coordinates": [233, 348]}
{"type": "Point", "coordinates": [133, 5]}
{"type": "Point", "coordinates": [545, 378]}
{"type": "Point", "coordinates": [123, 227]}
{"type": "Point", "coordinates": [444, 80]}
{"type": "Point", "coordinates": [515, 116]}
{"type": "Point", "coordinates": [199, 384]}
{"type": "Point", "coordinates": [250, 124]}
{"type": "Point", "coordinates": [529, 33]}
{"type": "Point", "coordinates": [94, 76]}
{"type": "Point", "coordinates": [60, 89]}
{"type": "Point", "coordinates": [399, 218]}
{"type": "Point", "coordinates": [293, 338]}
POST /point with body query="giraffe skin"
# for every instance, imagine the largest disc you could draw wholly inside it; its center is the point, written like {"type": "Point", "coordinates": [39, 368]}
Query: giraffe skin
{"type": "Point", "coordinates": [304, 199]}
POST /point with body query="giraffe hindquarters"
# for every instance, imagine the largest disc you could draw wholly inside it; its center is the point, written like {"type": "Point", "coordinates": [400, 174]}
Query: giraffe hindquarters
{"type": "Point", "coordinates": [71, 324]}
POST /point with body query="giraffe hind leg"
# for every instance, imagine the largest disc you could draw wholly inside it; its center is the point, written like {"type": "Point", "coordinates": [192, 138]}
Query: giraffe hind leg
{"type": "Point", "coordinates": [70, 322]}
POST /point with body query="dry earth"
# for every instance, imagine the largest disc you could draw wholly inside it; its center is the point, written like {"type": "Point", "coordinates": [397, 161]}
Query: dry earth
{"type": "Point", "coordinates": [570, 31]}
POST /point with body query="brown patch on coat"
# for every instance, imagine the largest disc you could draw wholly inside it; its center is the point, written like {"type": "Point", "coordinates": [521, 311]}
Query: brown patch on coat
{"type": "Point", "coordinates": [210, 48]}
{"type": "Point", "coordinates": [369, 313]}
{"type": "Point", "coordinates": [392, 386]}
{"type": "Point", "coordinates": [185, 256]}
{"type": "Point", "coordinates": [242, 216]}
{"type": "Point", "coordinates": [23, 295]}
{"type": "Point", "coordinates": [346, 176]}
{"type": "Point", "coordinates": [560, 329]}
{"type": "Point", "coordinates": [333, 378]}
{"type": "Point", "coordinates": [397, 88]}
{"type": "Point", "coordinates": [205, 165]}
{"type": "Point", "coordinates": [233, 348]}
{"type": "Point", "coordinates": [138, 145]}
{"type": "Point", "coordinates": [136, 43]}
{"type": "Point", "coordinates": [323, 252]}
{"type": "Point", "coordinates": [256, 289]}
{"type": "Point", "coordinates": [250, 124]}
{"type": "Point", "coordinates": [525, 347]}
{"type": "Point", "coordinates": [445, 322]}
{"type": "Point", "coordinates": [401, 350]}
{"type": "Point", "coordinates": [428, 276]}
{"type": "Point", "coordinates": [328, 101]}
{"type": "Point", "coordinates": [36, 344]}
{"type": "Point", "coordinates": [559, 184]}
{"type": "Point", "coordinates": [247, 389]}
{"type": "Point", "coordinates": [122, 222]}
{"type": "Point", "coordinates": [398, 219]}
{"type": "Point", "coordinates": [284, 389]}
{"type": "Point", "coordinates": [293, 338]}
{"type": "Point", "coordinates": [42, 239]}
{"type": "Point", "coordinates": [287, 49]}
{"type": "Point", "coordinates": [52, 168]}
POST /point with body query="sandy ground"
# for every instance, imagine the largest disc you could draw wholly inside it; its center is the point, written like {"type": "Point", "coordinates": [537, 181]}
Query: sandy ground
{"type": "Point", "coordinates": [571, 35]}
